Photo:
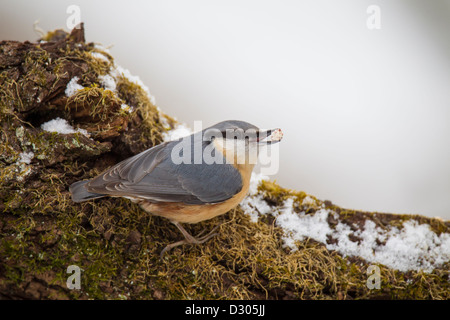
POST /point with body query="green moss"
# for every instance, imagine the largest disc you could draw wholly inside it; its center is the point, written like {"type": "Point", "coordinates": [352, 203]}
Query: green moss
{"type": "Point", "coordinates": [276, 195]}
{"type": "Point", "coordinates": [136, 97]}
{"type": "Point", "coordinates": [245, 261]}
{"type": "Point", "coordinates": [98, 103]}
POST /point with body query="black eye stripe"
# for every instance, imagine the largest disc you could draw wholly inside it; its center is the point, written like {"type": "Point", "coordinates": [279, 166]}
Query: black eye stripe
{"type": "Point", "coordinates": [246, 136]}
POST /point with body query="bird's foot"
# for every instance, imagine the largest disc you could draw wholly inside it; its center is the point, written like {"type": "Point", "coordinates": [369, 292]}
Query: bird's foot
{"type": "Point", "coordinates": [189, 239]}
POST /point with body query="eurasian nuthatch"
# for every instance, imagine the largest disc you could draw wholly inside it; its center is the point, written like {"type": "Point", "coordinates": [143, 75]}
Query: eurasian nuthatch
{"type": "Point", "coordinates": [188, 180]}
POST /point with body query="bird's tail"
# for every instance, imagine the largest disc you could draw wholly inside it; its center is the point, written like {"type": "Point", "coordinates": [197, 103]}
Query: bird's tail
{"type": "Point", "coordinates": [80, 193]}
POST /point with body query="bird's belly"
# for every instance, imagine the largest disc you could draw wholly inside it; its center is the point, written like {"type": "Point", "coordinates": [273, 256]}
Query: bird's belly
{"type": "Point", "coordinates": [186, 213]}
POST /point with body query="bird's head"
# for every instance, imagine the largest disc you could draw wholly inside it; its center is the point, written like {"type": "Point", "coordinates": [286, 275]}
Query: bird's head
{"type": "Point", "coordinates": [240, 141]}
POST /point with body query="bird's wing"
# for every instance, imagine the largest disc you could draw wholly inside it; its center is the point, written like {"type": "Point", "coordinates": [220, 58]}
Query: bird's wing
{"type": "Point", "coordinates": [152, 175]}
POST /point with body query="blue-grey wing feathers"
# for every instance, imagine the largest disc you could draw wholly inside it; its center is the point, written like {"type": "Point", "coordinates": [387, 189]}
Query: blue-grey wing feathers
{"type": "Point", "coordinates": [153, 176]}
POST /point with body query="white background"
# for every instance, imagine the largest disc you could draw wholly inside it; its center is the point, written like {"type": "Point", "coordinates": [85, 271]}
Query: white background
{"type": "Point", "coordinates": [366, 113]}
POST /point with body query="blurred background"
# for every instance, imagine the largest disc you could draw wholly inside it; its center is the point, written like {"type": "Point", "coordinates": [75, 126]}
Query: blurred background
{"type": "Point", "coordinates": [360, 88]}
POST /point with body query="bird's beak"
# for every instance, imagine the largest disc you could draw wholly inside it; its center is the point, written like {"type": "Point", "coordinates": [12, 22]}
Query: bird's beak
{"type": "Point", "coordinates": [269, 136]}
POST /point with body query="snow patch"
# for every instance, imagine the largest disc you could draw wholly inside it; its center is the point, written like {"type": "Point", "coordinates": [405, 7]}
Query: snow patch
{"type": "Point", "coordinates": [414, 246]}
{"type": "Point", "coordinates": [126, 108]}
{"type": "Point", "coordinates": [108, 82]}
{"type": "Point", "coordinates": [99, 56]}
{"type": "Point", "coordinates": [180, 131]}
{"type": "Point", "coordinates": [309, 201]}
{"type": "Point", "coordinates": [26, 157]}
{"type": "Point", "coordinates": [61, 126]}
{"type": "Point", "coordinates": [254, 204]}
{"type": "Point", "coordinates": [301, 226]}
{"type": "Point", "coordinates": [73, 87]}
